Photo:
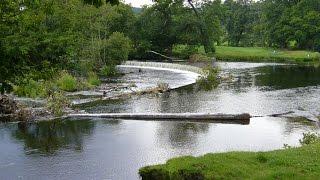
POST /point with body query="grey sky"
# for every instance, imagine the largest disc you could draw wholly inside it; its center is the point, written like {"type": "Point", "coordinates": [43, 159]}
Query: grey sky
{"type": "Point", "coordinates": [138, 3]}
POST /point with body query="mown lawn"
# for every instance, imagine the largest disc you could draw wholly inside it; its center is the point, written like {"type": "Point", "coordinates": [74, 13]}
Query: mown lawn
{"type": "Point", "coordinates": [293, 163]}
{"type": "Point", "coordinates": [264, 54]}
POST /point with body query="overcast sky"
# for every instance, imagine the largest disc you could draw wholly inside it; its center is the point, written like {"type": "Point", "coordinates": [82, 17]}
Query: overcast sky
{"type": "Point", "coordinates": [138, 3]}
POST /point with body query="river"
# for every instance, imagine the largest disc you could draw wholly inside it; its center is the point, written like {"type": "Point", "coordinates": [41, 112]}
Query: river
{"type": "Point", "coordinates": [116, 149]}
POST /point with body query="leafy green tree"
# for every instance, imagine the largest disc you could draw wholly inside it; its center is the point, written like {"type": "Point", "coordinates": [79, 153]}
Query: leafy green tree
{"type": "Point", "coordinates": [292, 21]}
{"type": "Point", "coordinates": [99, 3]}
{"type": "Point", "coordinates": [155, 27]}
{"type": "Point", "coordinates": [117, 48]}
{"type": "Point", "coordinates": [9, 20]}
{"type": "Point", "coordinates": [171, 22]}
{"type": "Point", "coordinates": [58, 34]}
{"type": "Point", "coordinates": [239, 20]}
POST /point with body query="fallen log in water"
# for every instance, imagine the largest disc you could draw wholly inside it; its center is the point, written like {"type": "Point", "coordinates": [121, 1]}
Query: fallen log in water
{"type": "Point", "coordinates": [190, 117]}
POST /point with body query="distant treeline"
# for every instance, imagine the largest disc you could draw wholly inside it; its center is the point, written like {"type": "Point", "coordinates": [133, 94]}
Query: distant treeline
{"type": "Point", "coordinates": [292, 24]}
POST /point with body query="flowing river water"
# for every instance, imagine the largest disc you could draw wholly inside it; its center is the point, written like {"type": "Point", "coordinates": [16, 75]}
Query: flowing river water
{"type": "Point", "coordinates": [116, 149]}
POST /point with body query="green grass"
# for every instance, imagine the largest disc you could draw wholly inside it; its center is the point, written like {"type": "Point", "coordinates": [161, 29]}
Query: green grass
{"type": "Point", "coordinates": [254, 54]}
{"type": "Point", "coordinates": [93, 79]}
{"type": "Point", "coordinates": [292, 163]}
{"type": "Point", "coordinates": [67, 82]}
{"type": "Point", "coordinates": [264, 54]}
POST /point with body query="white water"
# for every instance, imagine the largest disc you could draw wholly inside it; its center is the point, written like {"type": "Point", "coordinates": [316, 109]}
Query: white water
{"type": "Point", "coordinates": [189, 76]}
{"type": "Point", "coordinates": [175, 75]}
{"type": "Point", "coordinates": [166, 66]}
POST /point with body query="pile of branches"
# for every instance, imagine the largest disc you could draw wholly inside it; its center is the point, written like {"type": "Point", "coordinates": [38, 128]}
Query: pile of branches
{"type": "Point", "coordinates": [11, 111]}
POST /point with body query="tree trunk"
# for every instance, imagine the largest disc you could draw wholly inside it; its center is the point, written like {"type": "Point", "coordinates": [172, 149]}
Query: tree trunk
{"type": "Point", "coordinates": [193, 117]}
{"type": "Point", "coordinates": [206, 42]}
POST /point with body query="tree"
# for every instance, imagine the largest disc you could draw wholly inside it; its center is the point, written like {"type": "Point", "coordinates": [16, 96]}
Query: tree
{"type": "Point", "coordinates": [294, 22]}
{"type": "Point", "coordinates": [41, 37]}
{"type": "Point", "coordinates": [99, 3]}
{"type": "Point", "coordinates": [170, 22]}
{"type": "Point", "coordinates": [239, 21]}
{"type": "Point", "coordinates": [205, 38]}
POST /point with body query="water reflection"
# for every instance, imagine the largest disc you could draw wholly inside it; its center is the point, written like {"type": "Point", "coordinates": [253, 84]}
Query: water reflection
{"type": "Point", "coordinates": [293, 124]}
{"type": "Point", "coordinates": [286, 77]}
{"type": "Point", "coordinates": [270, 78]}
{"type": "Point", "coordinates": [49, 137]}
{"type": "Point", "coordinates": [180, 134]}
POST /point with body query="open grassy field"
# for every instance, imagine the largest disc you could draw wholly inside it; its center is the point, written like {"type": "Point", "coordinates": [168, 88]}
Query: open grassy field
{"type": "Point", "coordinates": [254, 54]}
{"type": "Point", "coordinates": [292, 163]}
{"type": "Point", "coordinates": [264, 54]}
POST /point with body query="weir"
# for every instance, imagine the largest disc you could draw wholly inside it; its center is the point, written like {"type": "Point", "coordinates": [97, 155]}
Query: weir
{"type": "Point", "coordinates": [166, 66]}
{"type": "Point", "coordinates": [191, 73]}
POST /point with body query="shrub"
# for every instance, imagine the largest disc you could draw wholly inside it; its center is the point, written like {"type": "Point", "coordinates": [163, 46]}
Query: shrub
{"type": "Point", "coordinates": [185, 51]}
{"type": "Point", "coordinates": [108, 71]}
{"type": "Point", "coordinates": [198, 58]}
{"type": "Point", "coordinates": [209, 79]}
{"type": "Point", "coordinates": [5, 87]}
{"type": "Point", "coordinates": [309, 138]}
{"type": "Point", "coordinates": [67, 82]}
{"type": "Point", "coordinates": [93, 79]}
{"type": "Point", "coordinates": [30, 88]}
{"type": "Point", "coordinates": [83, 67]}
{"type": "Point", "coordinates": [147, 173]}
{"type": "Point", "coordinates": [117, 48]}
{"type": "Point", "coordinates": [57, 103]}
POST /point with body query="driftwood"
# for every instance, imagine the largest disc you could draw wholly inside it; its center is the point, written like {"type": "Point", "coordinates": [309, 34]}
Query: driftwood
{"type": "Point", "coordinates": [7, 105]}
{"type": "Point", "coordinates": [280, 114]}
{"type": "Point", "coordinates": [191, 117]}
{"type": "Point", "coordinates": [10, 110]}
{"type": "Point", "coordinates": [276, 115]}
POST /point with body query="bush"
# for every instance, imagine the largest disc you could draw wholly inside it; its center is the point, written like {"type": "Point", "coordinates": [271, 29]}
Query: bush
{"type": "Point", "coordinates": [67, 82]}
{"type": "Point", "coordinates": [30, 88]}
{"type": "Point", "coordinates": [198, 58]}
{"type": "Point", "coordinates": [83, 67]}
{"type": "Point", "coordinates": [148, 173]}
{"type": "Point", "coordinates": [209, 79]}
{"type": "Point", "coordinates": [309, 138]}
{"type": "Point", "coordinates": [185, 51]}
{"type": "Point", "coordinates": [57, 103]}
{"type": "Point", "coordinates": [117, 48]}
{"type": "Point", "coordinates": [108, 71]}
{"type": "Point", "coordinates": [93, 79]}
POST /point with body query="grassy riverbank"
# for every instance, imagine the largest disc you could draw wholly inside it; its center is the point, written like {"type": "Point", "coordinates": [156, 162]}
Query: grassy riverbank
{"type": "Point", "coordinates": [254, 54]}
{"type": "Point", "coordinates": [297, 163]}
{"type": "Point", "coordinates": [264, 54]}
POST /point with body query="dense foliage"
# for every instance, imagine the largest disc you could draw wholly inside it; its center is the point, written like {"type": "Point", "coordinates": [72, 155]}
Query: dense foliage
{"type": "Point", "coordinates": [265, 23]}
{"type": "Point", "coordinates": [39, 39]}
{"type": "Point", "coordinates": [49, 36]}
{"type": "Point", "coordinates": [273, 23]}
